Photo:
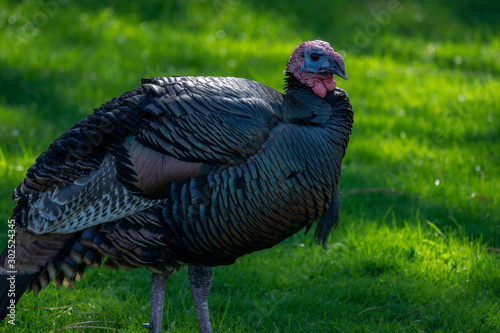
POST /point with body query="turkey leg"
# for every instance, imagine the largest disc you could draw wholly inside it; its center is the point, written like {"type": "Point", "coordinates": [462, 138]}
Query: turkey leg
{"type": "Point", "coordinates": [200, 278]}
{"type": "Point", "coordinates": [158, 281]}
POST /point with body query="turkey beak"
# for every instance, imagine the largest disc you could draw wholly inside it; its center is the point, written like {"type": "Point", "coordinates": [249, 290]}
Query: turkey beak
{"type": "Point", "coordinates": [338, 69]}
{"type": "Point", "coordinates": [334, 68]}
{"type": "Point", "coordinates": [340, 73]}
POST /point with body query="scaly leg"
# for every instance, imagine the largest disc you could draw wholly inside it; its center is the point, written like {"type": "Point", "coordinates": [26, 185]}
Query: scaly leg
{"type": "Point", "coordinates": [158, 281]}
{"type": "Point", "coordinates": [200, 278]}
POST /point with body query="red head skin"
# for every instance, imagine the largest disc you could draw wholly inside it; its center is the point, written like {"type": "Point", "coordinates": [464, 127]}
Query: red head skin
{"type": "Point", "coordinates": [321, 83]}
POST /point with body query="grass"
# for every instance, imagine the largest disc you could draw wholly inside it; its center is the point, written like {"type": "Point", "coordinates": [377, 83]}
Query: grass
{"type": "Point", "coordinates": [416, 250]}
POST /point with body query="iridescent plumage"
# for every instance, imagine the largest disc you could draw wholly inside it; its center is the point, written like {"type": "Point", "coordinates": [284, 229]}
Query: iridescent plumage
{"type": "Point", "coordinates": [185, 170]}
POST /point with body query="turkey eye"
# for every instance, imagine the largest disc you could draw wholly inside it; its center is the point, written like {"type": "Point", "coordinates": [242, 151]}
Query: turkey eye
{"type": "Point", "coordinates": [314, 56]}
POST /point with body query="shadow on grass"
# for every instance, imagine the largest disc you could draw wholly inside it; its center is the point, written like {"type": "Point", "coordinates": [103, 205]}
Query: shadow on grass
{"type": "Point", "coordinates": [366, 196]}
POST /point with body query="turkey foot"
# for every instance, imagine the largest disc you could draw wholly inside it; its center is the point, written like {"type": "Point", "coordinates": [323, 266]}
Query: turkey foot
{"type": "Point", "coordinates": [200, 278]}
{"type": "Point", "coordinates": [158, 281]}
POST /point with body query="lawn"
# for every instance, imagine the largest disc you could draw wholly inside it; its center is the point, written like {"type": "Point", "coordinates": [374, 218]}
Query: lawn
{"type": "Point", "coordinates": [417, 249]}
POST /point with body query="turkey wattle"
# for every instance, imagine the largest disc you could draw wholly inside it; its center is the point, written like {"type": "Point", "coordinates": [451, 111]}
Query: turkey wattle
{"type": "Point", "coordinates": [185, 170]}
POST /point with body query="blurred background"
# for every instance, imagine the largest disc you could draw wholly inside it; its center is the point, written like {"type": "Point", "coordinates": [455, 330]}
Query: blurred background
{"type": "Point", "coordinates": [417, 248]}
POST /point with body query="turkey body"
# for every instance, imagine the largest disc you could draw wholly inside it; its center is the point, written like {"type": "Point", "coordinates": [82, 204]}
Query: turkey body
{"type": "Point", "coordinates": [183, 170]}
{"type": "Point", "coordinates": [289, 182]}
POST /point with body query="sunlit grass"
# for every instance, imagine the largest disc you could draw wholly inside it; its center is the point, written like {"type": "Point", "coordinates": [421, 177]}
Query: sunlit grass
{"type": "Point", "coordinates": [416, 247]}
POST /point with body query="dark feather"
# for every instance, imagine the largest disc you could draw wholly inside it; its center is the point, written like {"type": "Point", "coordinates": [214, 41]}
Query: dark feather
{"type": "Point", "coordinates": [328, 221]}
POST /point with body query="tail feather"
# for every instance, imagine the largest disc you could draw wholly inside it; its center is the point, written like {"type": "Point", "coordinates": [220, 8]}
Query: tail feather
{"type": "Point", "coordinates": [62, 258]}
{"type": "Point", "coordinates": [12, 287]}
{"type": "Point", "coordinates": [36, 259]}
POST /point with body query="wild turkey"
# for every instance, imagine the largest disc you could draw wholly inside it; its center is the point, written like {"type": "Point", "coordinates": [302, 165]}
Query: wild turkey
{"type": "Point", "coordinates": [184, 170]}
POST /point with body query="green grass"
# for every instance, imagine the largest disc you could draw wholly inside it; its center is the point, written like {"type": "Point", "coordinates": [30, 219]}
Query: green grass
{"type": "Point", "coordinates": [424, 83]}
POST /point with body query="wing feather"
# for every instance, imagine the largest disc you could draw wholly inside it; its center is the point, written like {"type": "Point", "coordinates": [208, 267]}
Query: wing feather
{"type": "Point", "coordinates": [129, 149]}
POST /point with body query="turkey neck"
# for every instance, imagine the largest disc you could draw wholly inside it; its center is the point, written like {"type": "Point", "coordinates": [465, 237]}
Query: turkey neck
{"type": "Point", "coordinates": [217, 218]}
